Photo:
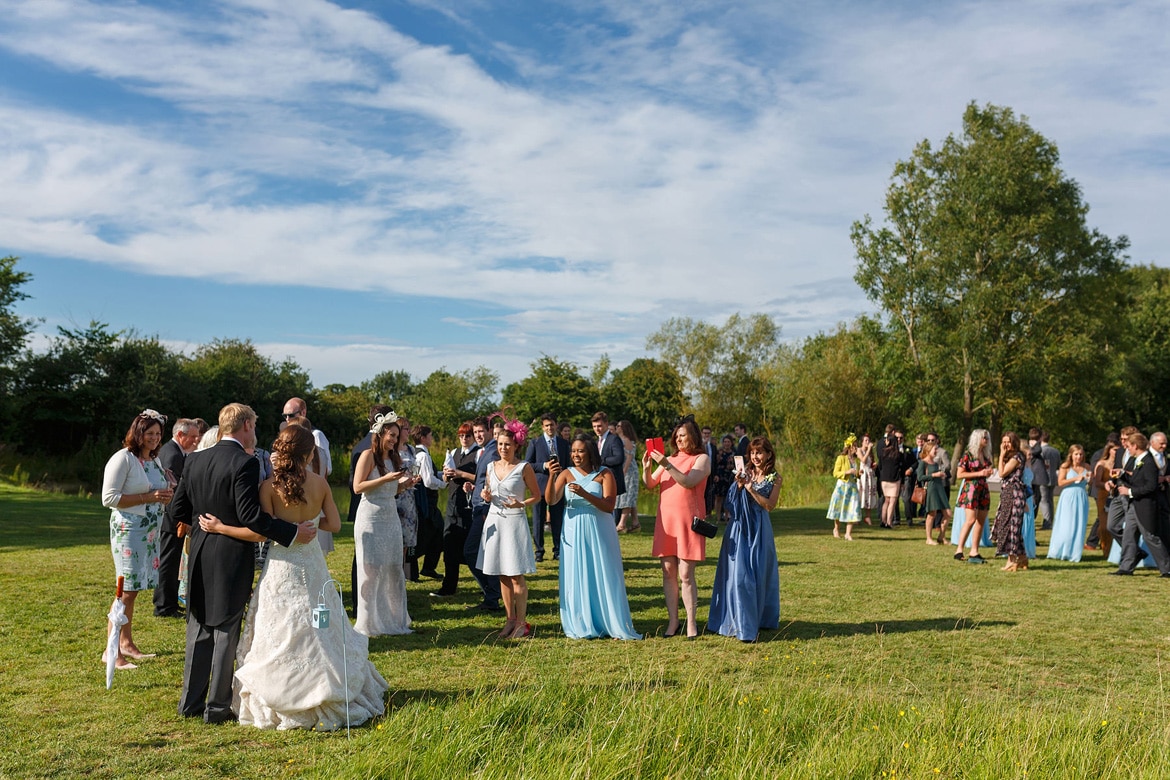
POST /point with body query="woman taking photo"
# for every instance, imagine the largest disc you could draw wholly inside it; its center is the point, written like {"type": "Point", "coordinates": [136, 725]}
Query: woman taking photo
{"type": "Point", "coordinates": [135, 488]}
{"type": "Point", "coordinates": [933, 475]}
{"type": "Point", "coordinates": [506, 549]}
{"type": "Point", "coordinates": [592, 584]}
{"type": "Point", "coordinates": [975, 497]}
{"type": "Point", "coordinates": [377, 533]}
{"type": "Point", "coordinates": [867, 481]}
{"type": "Point", "coordinates": [1072, 510]}
{"type": "Point", "coordinates": [1007, 533]}
{"type": "Point", "coordinates": [746, 596]}
{"type": "Point", "coordinates": [628, 502]}
{"type": "Point", "coordinates": [682, 477]}
{"type": "Point", "coordinates": [844, 503]}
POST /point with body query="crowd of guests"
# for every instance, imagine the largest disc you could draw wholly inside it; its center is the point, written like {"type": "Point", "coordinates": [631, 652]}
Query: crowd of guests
{"type": "Point", "coordinates": [194, 526]}
{"type": "Point", "coordinates": [1128, 480]}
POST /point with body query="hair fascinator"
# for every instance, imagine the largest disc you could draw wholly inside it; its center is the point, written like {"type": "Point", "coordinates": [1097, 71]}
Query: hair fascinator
{"type": "Point", "coordinates": [381, 421]}
{"type": "Point", "coordinates": [153, 415]}
{"type": "Point", "coordinates": [850, 440]}
{"type": "Point", "coordinates": [518, 429]}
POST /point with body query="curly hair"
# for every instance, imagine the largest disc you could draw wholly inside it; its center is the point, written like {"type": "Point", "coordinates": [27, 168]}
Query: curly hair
{"type": "Point", "coordinates": [290, 453]}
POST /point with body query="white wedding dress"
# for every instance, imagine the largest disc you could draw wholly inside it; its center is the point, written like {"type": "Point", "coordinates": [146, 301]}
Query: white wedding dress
{"type": "Point", "coordinates": [291, 675]}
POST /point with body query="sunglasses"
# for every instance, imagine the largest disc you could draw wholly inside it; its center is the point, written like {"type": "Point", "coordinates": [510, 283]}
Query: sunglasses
{"type": "Point", "coordinates": [290, 415]}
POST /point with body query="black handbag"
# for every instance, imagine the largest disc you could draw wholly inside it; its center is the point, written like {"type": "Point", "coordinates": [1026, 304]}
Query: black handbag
{"type": "Point", "coordinates": [702, 527]}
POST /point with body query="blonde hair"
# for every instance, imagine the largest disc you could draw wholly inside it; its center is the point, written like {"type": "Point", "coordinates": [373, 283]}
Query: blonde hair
{"type": "Point", "coordinates": [233, 416]}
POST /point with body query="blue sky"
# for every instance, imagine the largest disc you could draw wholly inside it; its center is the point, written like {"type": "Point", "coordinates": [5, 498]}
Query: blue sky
{"type": "Point", "coordinates": [408, 185]}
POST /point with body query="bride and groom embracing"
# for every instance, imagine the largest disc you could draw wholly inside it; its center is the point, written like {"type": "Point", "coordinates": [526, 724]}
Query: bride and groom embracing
{"type": "Point", "coordinates": [290, 675]}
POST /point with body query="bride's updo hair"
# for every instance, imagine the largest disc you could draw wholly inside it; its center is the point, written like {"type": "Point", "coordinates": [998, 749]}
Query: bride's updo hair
{"type": "Point", "coordinates": [290, 452]}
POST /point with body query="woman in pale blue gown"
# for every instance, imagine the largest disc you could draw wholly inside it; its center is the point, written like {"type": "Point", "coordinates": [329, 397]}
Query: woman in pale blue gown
{"type": "Point", "coordinates": [592, 583]}
{"type": "Point", "coordinates": [1028, 526]}
{"type": "Point", "coordinates": [1072, 510]}
{"type": "Point", "coordinates": [746, 596]}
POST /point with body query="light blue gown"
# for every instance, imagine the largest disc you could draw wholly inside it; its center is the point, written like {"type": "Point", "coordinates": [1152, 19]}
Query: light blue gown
{"type": "Point", "coordinates": [957, 519]}
{"type": "Point", "coordinates": [1072, 516]}
{"type": "Point", "coordinates": [593, 585]}
{"type": "Point", "coordinates": [1028, 527]}
{"type": "Point", "coordinates": [746, 596]}
{"type": "Point", "coordinates": [1147, 560]}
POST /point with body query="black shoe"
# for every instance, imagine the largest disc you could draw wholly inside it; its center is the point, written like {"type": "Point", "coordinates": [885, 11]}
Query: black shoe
{"type": "Point", "coordinates": [976, 559]}
{"type": "Point", "coordinates": [1046, 527]}
{"type": "Point", "coordinates": [539, 557]}
{"type": "Point", "coordinates": [556, 556]}
{"type": "Point", "coordinates": [1166, 575]}
{"type": "Point", "coordinates": [214, 718]}
{"type": "Point", "coordinates": [1120, 573]}
{"type": "Point", "coordinates": [172, 613]}
{"type": "Point", "coordinates": [958, 556]}
{"type": "Point", "coordinates": [440, 594]}
{"type": "Point", "coordinates": [434, 575]}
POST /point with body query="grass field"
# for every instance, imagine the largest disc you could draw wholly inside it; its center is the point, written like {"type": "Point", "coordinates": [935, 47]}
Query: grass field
{"type": "Point", "coordinates": [892, 660]}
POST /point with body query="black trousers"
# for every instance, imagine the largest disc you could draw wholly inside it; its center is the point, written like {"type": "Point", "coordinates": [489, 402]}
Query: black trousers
{"type": "Point", "coordinates": [170, 555]}
{"type": "Point", "coordinates": [454, 538]}
{"type": "Point", "coordinates": [430, 543]}
{"type": "Point", "coordinates": [556, 519]}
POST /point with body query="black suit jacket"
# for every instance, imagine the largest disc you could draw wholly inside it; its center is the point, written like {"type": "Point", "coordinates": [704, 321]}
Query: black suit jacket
{"type": "Point", "coordinates": [172, 457]}
{"type": "Point", "coordinates": [741, 446]}
{"type": "Point", "coordinates": [613, 457]}
{"type": "Point", "coordinates": [223, 481]}
{"type": "Point", "coordinates": [354, 498]}
{"type": "Point", "coordinates": [537, 455]}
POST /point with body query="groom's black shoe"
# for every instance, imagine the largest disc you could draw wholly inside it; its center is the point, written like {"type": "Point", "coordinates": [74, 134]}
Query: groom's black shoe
{"type": "Point", "coordinates": [214, 718]}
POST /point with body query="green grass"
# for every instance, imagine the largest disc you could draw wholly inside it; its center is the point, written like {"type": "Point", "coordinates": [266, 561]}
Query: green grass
{"type": "Point", "coordinates": [892, 660]}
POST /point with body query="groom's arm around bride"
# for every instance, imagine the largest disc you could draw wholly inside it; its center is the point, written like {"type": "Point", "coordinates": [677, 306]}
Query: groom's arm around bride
{"type": "Point", "coordinates": [222, 481]}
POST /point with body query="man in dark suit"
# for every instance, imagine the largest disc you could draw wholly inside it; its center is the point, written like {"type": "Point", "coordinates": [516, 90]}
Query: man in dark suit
{"type": "Point", "coordinates": [223, 481]}
{"type": "Point", "coordinates": [741, 439]}
{"type": "Point", "coordinates": [1138, 485]}
{"type": "Point", "coordinates": [488, 454]}
{"type": "Point", "coordinates": [172, 455]}
{"type": "Point", "coordinates": [709, 450]}
{"type": "Point", "coordinates": [613, 454]}
{"type": "Point", "coordinates": [541, 450]}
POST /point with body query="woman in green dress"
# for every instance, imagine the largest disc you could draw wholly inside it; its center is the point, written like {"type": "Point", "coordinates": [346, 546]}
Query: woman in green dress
{"type": "Point", "coordinates": [933, 476]}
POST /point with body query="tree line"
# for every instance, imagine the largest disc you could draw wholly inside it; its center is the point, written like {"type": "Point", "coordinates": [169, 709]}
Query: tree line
{"type": "Point", "coordinates": [997, 307]}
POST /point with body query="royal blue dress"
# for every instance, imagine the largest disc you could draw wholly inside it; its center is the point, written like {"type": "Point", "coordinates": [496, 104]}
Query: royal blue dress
{"type": "Point", "coordinates": [746, 596]}
{"type": "Point", "coordinates": [593, 585]}
{"type": "Point", "coordinates": [1072, 516]}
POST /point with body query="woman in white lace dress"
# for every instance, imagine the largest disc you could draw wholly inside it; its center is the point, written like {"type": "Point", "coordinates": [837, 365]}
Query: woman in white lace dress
{"type": "Point", "coordinates": [506, 549]}
{"type": "Point", "coordinates": [377, 532]}
{"type": "Point", "coordinates": [290, 674]}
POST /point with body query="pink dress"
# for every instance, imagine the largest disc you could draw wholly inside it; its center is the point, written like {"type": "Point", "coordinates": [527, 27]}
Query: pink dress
{"type": "Point", "coordinates": [676, 507]}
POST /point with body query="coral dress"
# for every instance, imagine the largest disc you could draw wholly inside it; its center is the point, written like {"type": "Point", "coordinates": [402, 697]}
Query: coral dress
{"type": "Point", "coordinates": [677, 506]}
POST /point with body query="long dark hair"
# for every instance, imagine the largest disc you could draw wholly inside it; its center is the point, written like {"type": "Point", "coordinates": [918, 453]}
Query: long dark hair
{"type": "Point", "coordinates": [290, 452]}
{"type": "Point", "coordinates": [762, 444]}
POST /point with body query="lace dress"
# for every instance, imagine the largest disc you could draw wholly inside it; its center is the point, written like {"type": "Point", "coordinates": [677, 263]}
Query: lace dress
{"type": "Point", "coordinates": [407, 509]}
{"type": "Point", "coordinates": [629, 499]}
{"type": "Point", "coordinates": [294, 676]}
{"type": "Point", "coordinates": [377, 537]}
{"type": "Point", "coordinates": [506, 547]}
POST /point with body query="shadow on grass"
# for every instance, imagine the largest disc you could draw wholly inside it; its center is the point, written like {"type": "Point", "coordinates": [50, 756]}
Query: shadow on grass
{"type": "Point", "coordinates": [801, 629]}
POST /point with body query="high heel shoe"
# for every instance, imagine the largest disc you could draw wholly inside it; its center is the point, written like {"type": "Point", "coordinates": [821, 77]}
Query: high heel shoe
{"type": "Point", "coordinates": [527, 633]}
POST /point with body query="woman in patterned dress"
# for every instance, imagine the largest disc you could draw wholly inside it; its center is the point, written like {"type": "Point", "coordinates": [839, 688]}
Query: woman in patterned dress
{"type": "Point", "coordinates": [844, 505]}
{"type": "Point", "coordinates": [135, 488]}
{"type": "Point", "coordinates": [975, 498]}
{"type": "Point", "coordinates": [628, 502]}
{"type": "Point", "coordinates": [867, 480]}
{"type": "Point", "coordinates": [1007, 533]}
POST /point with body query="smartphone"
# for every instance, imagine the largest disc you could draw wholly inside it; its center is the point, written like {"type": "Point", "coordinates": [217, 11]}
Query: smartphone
{"type": "Point", "coordinates": [739, 467]}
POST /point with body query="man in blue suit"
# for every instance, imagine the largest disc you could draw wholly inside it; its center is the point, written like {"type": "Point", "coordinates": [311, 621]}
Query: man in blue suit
{"type": "Point", "coordinates": [490, 585]}
{"type": "Point", "coordinates": [541, 450]}
{"type": "Point", "coordinates": [613, 454]}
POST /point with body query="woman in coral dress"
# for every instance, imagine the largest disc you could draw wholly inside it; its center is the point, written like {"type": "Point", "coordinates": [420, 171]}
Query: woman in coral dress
{"type": "Point", "coordinates": [683, 478]}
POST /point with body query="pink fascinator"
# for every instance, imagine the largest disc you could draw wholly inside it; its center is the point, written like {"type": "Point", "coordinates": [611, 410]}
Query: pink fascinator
{"type": "Point", "coordinates": [518, 429]}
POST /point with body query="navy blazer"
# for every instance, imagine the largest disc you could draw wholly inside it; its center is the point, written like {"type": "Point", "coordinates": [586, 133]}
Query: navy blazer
{"type": "Point", "coordinates": [490, 455]}
{"type": "Point", "coordinates": [537, 456]}
{"type": "Point", "coordinates": [613, 457]}
{"type": "Point", "coordinates": [223, 481]}
{"type": "Point", "coordinates": [172, 457]}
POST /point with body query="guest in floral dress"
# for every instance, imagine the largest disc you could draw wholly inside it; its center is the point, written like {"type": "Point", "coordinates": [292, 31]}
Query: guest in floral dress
{"type": "Point", "coordinates": [723, 472]}
{"type": "Point", "coordinates": [1007, 533]}
{"type": "Point", "coordinates": [628, 502]}
{"type": "Point", "coordinates": [844, 505]}
{"type": "Point", "coordinates": [135, 487]}
{"type": "Point", "coordinates": [974, 498]}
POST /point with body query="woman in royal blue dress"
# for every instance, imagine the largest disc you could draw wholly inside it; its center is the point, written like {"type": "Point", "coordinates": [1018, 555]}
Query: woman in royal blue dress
{"type": "Point", "coordinates": [746, 596]}
{"type": "Point", "coordinates": [592, 582]}
{"type": "Point", "coordinates": [1072, 511]}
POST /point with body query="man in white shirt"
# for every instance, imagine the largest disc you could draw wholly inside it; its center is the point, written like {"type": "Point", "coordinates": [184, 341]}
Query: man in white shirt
{"type": "Point", "coordinates": [296, 407]}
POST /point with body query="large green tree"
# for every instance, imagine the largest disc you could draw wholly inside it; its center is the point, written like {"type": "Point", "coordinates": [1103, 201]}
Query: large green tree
{"type": "Point", "coordinates": [555, 387]}
{"type": "Point", "coordinates": [985, 268]}
{"type": "Point", "coordinates": [648, 393]}
{"type": "Point", "coordinates": [724, 368]}
{"type": "Point", "coordinates": [444, 400]}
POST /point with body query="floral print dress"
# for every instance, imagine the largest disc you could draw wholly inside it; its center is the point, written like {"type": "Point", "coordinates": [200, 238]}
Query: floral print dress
{"type": "Point", "coordinates": [134, 538]}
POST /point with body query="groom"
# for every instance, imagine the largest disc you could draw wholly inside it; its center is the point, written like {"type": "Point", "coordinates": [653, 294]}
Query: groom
{"type": "Point", "coordinates": [223, 481]}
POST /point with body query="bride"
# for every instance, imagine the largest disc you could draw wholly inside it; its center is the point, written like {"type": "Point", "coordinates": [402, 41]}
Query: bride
{"type": "Point", "coordinates": [290, 674]}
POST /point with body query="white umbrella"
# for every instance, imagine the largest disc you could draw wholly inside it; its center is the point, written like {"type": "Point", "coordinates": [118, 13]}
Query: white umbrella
{"type": "Point", "coordinates": [118, 619]}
